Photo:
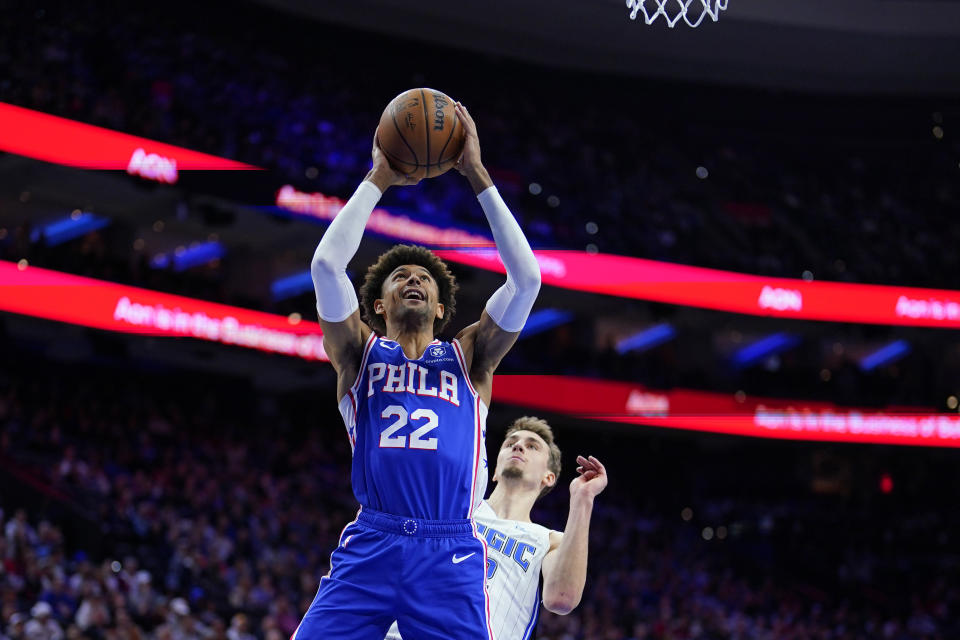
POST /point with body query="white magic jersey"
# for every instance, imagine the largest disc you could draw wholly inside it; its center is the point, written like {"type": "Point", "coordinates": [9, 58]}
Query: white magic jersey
{"type": "Point", "coordinates": [515, 552]}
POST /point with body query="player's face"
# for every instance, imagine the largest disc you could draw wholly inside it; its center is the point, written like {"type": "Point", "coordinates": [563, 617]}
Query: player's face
{"type": "Point", "coordinates": [524, 455]}
{"type": "Point", "coordinates": [410, 296]}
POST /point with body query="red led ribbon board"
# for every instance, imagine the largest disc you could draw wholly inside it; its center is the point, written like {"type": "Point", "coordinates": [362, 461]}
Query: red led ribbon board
{"type": "Point", "coordinates": [325, 208]}
{"type": "Point", "coordinates": [778, 418]}
{"type": "Point", "coordinates": [75, 144]}
{"type": "Point", "coordinates": [58, 140]}
{"type": "Point", "coordinates": [641, 279]}
{"type": "Point", "coordinates": [103, 305]}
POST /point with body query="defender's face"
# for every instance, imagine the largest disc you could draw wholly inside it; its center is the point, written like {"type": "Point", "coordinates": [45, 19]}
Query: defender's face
{"type": "Point", "coordinates": [524, 455]}
{"type": "Point", "coordinates": [409, 292]}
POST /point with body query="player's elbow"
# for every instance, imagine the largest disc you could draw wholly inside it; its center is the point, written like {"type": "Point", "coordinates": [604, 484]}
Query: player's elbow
{"type": "Point", "coordinates": [528, 282]}
{"type": "Point", "coordinates": [321, 266]}
{"type": "Point", "coordinates": [560, 603]}
{"type": "Point", "coordinates": [560, 611]}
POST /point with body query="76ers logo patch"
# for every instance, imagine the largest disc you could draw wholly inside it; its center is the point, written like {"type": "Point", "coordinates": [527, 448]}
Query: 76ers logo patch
{"type": "Point", "coordinates": [436, 352]}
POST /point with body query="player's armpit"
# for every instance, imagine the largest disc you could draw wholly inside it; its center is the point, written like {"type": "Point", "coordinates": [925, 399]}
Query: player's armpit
{"type": "Point", "coordinates": [343, 341]}
{"type": "Point", "coordinates": [556, 537]}
{"type": "Point", "coordinates": [466, 338]}
{"type": "Point", "coordinates": [550, 559]}
{"type": "Point", "coordinates": [485, 344]}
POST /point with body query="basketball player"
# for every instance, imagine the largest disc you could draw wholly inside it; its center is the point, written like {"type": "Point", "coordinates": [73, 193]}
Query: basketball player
{"type": "Point", "coordinates": [415, 411]}
{"type": "Point", "coordinates": [519, 551]}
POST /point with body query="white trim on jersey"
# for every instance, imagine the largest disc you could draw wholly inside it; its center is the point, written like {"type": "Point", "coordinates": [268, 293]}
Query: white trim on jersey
{"type": "Point", "coordinates": [486, 591]}
{"type": "Point", "coordinates": [480, 410]}
{"type": "Point", "coordinates": [480, 418]}
{"type": "Point", "coordinates": [363, 362]}
{"type": "Point", "coordinates": [463, 364]}
{"type": "Point", "coordinates": [348, 403]}
{"type": "Point", "coordinates": [480, 478]}
{"type": "Point", "coordinates": [477, 444]}
{"type": "Point", "coordinates": [348, 411]}
{"type": "Point", "coordinates": [533, 618]}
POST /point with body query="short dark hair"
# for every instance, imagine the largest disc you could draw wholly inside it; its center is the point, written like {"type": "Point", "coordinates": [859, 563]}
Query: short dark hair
{"type": "Point", "coordinates": [372, 288]}
{"type": "Point", "coordinates": [542, 428]}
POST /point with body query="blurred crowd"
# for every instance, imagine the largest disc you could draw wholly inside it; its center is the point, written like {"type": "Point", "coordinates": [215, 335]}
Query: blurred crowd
{"type": "Point", "coordinates": [188, 521]}
{"type": "Point", "coordinates": [844, 188]}
{"type": "Point", "coordinates": [208, 510]}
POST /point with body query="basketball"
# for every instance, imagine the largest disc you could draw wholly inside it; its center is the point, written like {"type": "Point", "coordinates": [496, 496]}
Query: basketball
{"type": "Point", "coordinates": [420, 133]}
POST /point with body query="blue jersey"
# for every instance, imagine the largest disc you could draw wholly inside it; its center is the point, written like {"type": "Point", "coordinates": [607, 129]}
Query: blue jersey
{"type": "Point", "coordinates": [417, 430]}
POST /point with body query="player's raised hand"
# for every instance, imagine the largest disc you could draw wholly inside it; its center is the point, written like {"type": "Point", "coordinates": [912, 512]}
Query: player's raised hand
{"type": "Point", "coordinates": [382, 174]}
{"type": "Point", "coordinates": [470, 158]}
{"type": "Point", "coordinates": [469, 164]}
{"type": "Point", "coordinates": [592, 478]}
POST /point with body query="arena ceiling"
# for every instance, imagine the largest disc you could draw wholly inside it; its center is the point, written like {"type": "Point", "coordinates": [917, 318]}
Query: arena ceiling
{"type": "Point", "coordinates": [829, 45]}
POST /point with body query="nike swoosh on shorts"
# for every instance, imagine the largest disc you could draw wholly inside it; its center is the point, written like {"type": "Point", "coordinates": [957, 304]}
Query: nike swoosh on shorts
{"type": "Point", "coordinates": [457, 560]}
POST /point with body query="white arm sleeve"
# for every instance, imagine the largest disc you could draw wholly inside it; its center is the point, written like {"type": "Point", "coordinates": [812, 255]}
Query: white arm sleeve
{"type": "Point", "coordinates": [336, 297]}
{"type": "Point", "coordinates": [510, 305]}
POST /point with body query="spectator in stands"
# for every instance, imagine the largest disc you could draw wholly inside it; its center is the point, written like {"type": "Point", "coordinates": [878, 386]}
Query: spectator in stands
{"type": "Point", "coordinates": [41, 625]}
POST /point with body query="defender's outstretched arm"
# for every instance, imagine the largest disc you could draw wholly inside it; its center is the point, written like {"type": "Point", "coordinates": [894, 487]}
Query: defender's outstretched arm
{"type": "Point", "coordinates": [565, 565]}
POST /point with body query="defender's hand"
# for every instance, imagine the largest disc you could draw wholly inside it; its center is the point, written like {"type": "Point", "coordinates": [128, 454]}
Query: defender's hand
{"type": "Point", "coordinates": [592, 479]}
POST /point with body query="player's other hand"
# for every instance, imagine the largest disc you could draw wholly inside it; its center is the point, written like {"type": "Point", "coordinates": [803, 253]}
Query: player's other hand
{"type": "Point", "coordinates": [469, 164]}
{"type": "Point", "coordinates": [382, 174]}
{"type": "Point", "coordinates": [591, 478]}
{"type": "Point", "coordinates": [470, 158]}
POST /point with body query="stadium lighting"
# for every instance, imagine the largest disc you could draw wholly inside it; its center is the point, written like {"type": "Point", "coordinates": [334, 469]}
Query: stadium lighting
{"type": "Point", "coordinates": [885, 355]}
{"type": "Point", "coordinates": [189, 257]}
{"type": "Point", "coordinates": [764, 348]}
{"type": "Point", "coordinates": [66, 229]}
{"type": "Point", "coordinates": [292, 285]}
{"type": "Point", "coordinates": [647, 339]}
{"type": "Point", "coordinates": [544, 320]}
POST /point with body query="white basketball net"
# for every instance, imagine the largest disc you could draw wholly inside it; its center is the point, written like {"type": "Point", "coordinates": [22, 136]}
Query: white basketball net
{"type": "Point", "coordinates": [691, 11]}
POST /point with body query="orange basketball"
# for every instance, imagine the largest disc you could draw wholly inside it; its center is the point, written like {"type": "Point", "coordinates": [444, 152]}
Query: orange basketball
{"type": "Point", "coordinates": [420, 133]}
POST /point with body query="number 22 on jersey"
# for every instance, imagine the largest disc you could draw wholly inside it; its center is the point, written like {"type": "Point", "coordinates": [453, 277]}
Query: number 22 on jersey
{"type": "Point", "coordinates": [388, 439]}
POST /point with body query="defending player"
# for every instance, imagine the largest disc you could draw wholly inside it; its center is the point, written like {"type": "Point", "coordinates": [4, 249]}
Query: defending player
{"type": "Point", "coordinates": [519, 550]}
{"type": "Point", "coordinates": [415, 411]}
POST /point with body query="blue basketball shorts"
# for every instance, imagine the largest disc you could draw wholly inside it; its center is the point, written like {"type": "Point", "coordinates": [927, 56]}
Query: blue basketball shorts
{"type": "Point", "coordinates": [428, 575]}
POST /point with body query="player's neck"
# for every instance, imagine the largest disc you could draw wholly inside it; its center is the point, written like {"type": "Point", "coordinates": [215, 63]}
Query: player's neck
{"type": "Point", "coordinates": [413, 343]}
{"type": "Point", "coordinates": [512, 502]}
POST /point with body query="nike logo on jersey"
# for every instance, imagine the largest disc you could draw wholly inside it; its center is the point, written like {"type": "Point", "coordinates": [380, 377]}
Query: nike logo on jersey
{"type": "Point", "coordinates": [458, 560]}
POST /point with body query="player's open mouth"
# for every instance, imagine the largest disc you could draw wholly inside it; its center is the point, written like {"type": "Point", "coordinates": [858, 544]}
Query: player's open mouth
{"type": "Point", "coordinates": [414, 294]}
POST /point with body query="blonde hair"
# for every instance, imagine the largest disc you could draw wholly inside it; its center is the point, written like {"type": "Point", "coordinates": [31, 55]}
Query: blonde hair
{"type": "Point", "coordinates": [540, 427]}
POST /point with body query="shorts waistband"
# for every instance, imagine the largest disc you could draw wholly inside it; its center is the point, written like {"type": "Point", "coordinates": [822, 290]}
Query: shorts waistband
{"type": "Point", "coordinates": [414, 527]}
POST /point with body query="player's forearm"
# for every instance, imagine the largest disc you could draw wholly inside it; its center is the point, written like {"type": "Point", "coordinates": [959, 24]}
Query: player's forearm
{"type": "Point", "coordinates": [510, 304]}
{"type": "Point", "coordinates": [336, 298]}
{"type": "Point", "coordinates": [563, 588]}
{"type": "Point", "coordinates": [479, 180]}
